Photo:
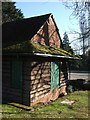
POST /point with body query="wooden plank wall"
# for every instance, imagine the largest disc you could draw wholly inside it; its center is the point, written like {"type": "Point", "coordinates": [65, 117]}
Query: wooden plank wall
{"type": "Point", "coordinates": [54, 39]}
{"type": "Point", "coordinates": [9, 94]}
{"type": "Point", "coordinates": [48, 35]}
{"type": "Point", "coordinates": [63, 77]}
{"type": "Point", "coordinates": [26, 82]}
{"type": "Point", "coordinates": [36, 82]}
{"type": "Point", "coordinates": [36, 75]}
{"type": "Point", "coordinates": [40, 80]}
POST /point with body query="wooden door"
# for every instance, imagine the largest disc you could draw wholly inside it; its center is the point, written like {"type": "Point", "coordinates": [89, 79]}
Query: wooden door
{"type": "Point", "coordinates": [16, 75]}
{"type": "Point", "coordinates": [55, 74]}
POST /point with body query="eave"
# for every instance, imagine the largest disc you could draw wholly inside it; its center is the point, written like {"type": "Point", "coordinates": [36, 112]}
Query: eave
{"type": "Point", "coordinates": [56, 56]}
{"type": "Point", "coordinates": [34, 49]}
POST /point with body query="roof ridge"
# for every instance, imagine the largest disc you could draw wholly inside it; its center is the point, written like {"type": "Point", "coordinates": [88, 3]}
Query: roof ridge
{"type": "Point", "coordinates": [21, 30]}
{"type": "Point", "coordinates": [48, 14]}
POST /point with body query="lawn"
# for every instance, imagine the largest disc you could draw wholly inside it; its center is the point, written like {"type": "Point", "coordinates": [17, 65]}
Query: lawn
{"type": "Point", "coordinates": [54, 109]}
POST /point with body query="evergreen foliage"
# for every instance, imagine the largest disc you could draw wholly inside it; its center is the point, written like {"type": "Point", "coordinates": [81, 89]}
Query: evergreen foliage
{"type": "Point", "coordinates": [65, 39]}
{"type": "Point", "coordinates": [10, 12]}
{"type": "Point", "coordinates": [66, 43]}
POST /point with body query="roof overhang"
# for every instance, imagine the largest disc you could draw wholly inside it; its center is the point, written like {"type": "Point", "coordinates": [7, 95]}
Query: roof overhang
{"type": "Point", "coordinates": [38, 56]}
{"type": "Point", "coordinates": [56, 56]}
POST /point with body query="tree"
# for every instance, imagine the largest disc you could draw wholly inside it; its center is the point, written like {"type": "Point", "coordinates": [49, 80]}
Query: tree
{"type": "Point", "coordinates": [10, 12]}
{"type": "Point", "coordinates": [66, 44]}
{"type": "Point", "coordinates": [66, 39]}
{"type": "Point", "coordinates": [73, 65]}
{"type": "Point", "coordinates": [81, 11]}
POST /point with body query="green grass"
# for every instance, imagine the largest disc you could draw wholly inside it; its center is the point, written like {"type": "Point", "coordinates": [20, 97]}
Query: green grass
{"type": "Point", "coordinates": [54, 110]}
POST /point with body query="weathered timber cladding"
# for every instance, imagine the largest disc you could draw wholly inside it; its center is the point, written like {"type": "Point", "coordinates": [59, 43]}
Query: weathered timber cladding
{"type": "Point", "coordinates": [54, 39]}
{"type": "Point", "coordinates": [9, 94]}
{"type": "Point", "coordinates": [48, 35]}
{"type": "Point", "coordinates": [63, 77]}
{"type": "Point", "coordinates": [36, 82]}
{"type": "Point", "coordinates": [36, 76]}
{"type": "Point", "coordinates": [40, 80]}
{"type": "Point", "coordinates": [6, 73]}
{"type": "Point", "coordinates": [26, 82]}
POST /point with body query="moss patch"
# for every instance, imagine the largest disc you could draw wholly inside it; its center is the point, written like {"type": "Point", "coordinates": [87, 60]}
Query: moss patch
{"type": "Point", "coordinates": [30, 47]}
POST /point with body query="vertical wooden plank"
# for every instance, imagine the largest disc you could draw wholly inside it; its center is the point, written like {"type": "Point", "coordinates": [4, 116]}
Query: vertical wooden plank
{"type": "Point", "coordinates": [55, 74]}
{"type": "Point", "coordinates": [17, 75]}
